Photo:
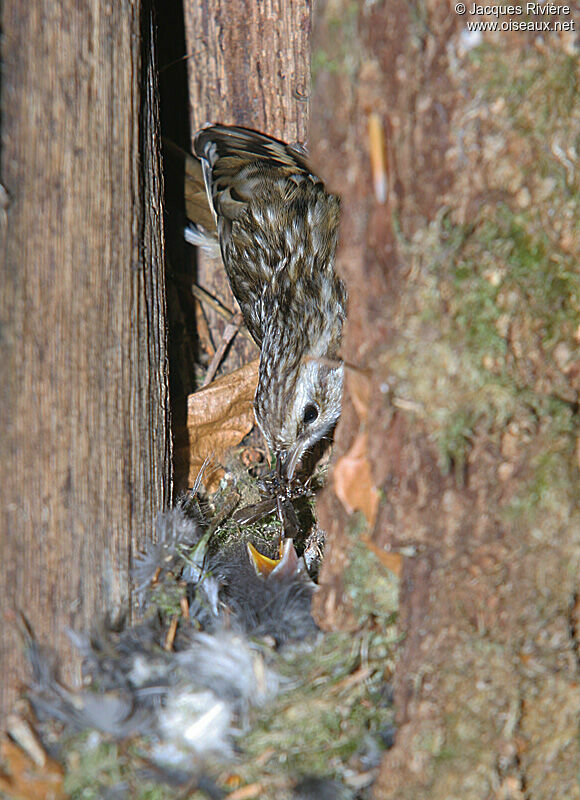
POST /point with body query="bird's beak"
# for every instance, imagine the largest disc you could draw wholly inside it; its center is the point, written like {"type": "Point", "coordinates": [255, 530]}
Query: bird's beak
{"type": "Point", "coordinates": [288, 463]}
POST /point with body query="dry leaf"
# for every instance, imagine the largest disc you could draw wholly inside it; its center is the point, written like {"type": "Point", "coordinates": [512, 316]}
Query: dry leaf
{"type": "Point", "coordinates": [27, 781]}
{"type": "Point", "coordinates": [249, 792]}
{"type": "Point", "coordinates": [218, 417]}
{"type": "Point", "coordinates": [353, 482]}
{"type": "Point", "coordinates": [359, 390]}
{"type": "Point", "coordinates": [392, 561]}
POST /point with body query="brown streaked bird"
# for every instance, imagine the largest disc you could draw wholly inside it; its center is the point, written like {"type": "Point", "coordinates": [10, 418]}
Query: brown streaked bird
{"type": "Point", "coordinates": [277, 228]}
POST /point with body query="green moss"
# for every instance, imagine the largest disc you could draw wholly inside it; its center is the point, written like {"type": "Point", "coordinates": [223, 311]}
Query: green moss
{"type": "Point", "coordinates": [166, 597]}
{"type": "Point", "coordinates": [339, 56]}
{"type": "Point", "coordinates": [322, 61]}
{"type": "Point", "coordinates": [508, 267]}
{"type": "Point", "coordinates": [97, 767]}
{"type": "Point", "coordinates": [454, 442]}
{"type": "Point", "coordinates": [493, 300]}
{"type": "Point", "coordinates": [92, 765]}
{"type": "Point", "coordinates": [322, 723]}
{"type": "Point", "coordinates": [538, 94]}
{"type": "Point", "coordinates": [372, 589]}
{"type": "Point", "coordinates": [550, 484]}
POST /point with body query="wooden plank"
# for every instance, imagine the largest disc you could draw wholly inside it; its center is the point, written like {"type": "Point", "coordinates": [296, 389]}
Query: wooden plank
{"type": "Point", "coordinates": [83, 412]}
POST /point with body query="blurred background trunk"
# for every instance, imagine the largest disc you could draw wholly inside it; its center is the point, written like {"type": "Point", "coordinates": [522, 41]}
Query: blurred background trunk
{"type": "Point", "coordinates": [86, 449]}
{"type": "Point", "coordinates": [460, 246]}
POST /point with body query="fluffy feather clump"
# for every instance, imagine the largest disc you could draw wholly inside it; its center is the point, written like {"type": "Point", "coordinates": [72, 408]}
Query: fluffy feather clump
{"type": "Point", "coordinates": [189, 701]}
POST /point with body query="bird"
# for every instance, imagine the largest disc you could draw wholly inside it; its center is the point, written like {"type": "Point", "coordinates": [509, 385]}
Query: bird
{"type": "Point", "coordinates": [186, 707]}
{"type": "Point", "coordinates": [277, 227]}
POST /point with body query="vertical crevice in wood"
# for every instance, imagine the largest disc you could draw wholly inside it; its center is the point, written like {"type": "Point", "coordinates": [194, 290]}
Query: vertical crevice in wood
{"type": "Point", "coordinates": [174, 123]}
{"type": "Point", "coordinates": [155, 396]}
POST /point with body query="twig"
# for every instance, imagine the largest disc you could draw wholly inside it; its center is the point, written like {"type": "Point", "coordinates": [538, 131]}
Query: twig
{"type": "Point", "coordinates": [172, 630]}
{"type": "Point", "coordinates": [205, 297]}
{"type": "Point", "coordinates": [203, 330]}
{"type": "Point", "coordinates": [230, 331]}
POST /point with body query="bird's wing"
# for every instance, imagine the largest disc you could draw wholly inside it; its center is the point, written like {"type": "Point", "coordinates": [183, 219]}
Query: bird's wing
{"type": "Point", "coordinates": [240, 164]}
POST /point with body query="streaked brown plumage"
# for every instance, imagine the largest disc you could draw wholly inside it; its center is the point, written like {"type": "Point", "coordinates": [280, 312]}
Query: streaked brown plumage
{"type": "Point", "coordinates": [278, 229]}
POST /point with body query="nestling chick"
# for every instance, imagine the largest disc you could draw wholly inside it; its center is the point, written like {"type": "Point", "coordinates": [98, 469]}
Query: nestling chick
{"type": "Point", "coordinates": [278, 230]}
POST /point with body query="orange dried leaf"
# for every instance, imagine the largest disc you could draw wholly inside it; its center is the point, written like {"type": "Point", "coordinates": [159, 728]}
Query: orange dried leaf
{"type": "Point", "coordinates": [353, 482]}
{"type": "Point", "coordinates": [249, 792]}
{"type": "Point", "coordinates": [218, 417]}
{"type": "Point", "coordinates": [24, 780]}
{"type": "Point", "coordinates": [392, 561]}
{"type": "Point", "coordinates": [358, 386]}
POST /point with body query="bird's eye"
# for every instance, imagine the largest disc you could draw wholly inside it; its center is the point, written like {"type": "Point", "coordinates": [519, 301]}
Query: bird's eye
{"type": "Point", "coordinates": [310, 413]}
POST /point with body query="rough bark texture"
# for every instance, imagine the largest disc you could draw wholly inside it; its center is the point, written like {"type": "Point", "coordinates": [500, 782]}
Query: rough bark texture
{"type": "Point", "coordinates": [249, 65]}
{"type": "Point", "coordinates": [464, 299]}
{"type": "Point", "coordinates": [84, 413]}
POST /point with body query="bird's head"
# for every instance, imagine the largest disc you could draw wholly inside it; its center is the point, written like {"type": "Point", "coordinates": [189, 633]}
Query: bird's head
{"type": "Point", "coordinates": [295, 411]}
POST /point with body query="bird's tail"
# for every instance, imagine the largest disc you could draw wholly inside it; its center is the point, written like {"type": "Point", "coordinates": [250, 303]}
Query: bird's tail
{"type": "Point", "coordinates": [185, 169]}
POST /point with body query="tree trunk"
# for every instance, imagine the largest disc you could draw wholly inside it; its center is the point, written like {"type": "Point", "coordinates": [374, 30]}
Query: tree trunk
{"type": "Point", "coordinates": [460, 248]}
{"type": "Point", "coordinates": [84, 414]}
{"type": "Point", "coordinates": [249, 64]}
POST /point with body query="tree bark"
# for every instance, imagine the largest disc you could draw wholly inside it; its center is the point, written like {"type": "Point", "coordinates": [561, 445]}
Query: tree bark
{"type": "Point", "coordinates": [84, 414]}
{"type": "Point", "coordinates": [457, 313]}
{"type": "Point", "coordinates": [249, 64]}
